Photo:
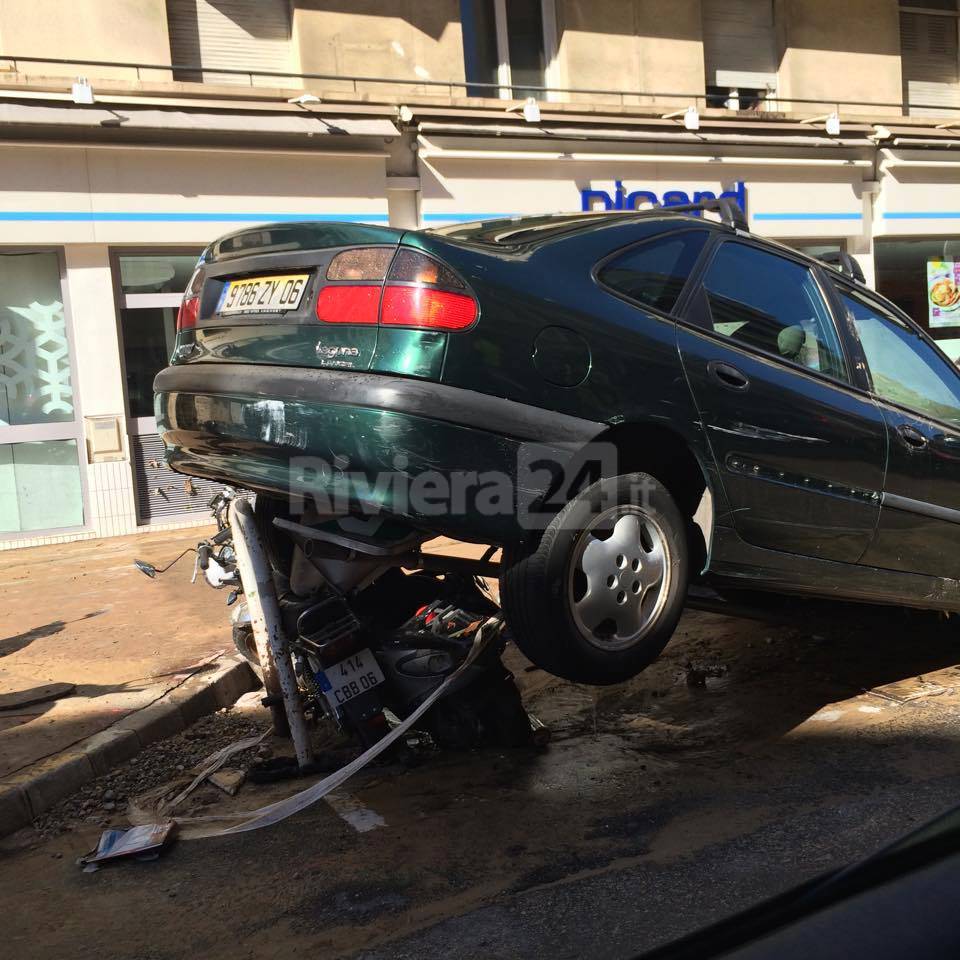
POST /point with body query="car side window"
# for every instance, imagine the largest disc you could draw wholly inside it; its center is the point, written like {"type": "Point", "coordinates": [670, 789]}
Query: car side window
{"type": "Point", "coordinates": [903, 367]}
{"type": "Point", "coordinates": [653, 273]}
{"type": "Point", "coordinates": [771, 303]}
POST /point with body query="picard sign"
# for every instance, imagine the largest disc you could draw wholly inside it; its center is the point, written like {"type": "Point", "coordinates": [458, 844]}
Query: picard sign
{"type": "Point", "coordinates": [624, 199]}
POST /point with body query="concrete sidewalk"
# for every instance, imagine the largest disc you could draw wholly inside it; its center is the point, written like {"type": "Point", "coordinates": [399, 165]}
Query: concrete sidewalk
{"type": "Point", "coordinates": [147, 657]}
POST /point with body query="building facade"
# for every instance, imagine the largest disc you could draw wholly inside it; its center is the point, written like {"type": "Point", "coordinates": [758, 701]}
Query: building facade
{"type": "Point", "coordinates": [133, 132]}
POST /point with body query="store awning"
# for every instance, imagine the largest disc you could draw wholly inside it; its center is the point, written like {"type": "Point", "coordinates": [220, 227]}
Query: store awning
{"type": "Point", "coordinates": [306, 123]}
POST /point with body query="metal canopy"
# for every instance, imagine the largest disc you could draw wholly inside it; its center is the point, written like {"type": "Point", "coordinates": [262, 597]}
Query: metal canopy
{"type": "Point", "coordinates": [306, 123]}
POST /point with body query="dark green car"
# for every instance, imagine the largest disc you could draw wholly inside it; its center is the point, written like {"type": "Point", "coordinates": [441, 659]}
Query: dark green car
{"type": "Point", "coordinates": [624, 402]}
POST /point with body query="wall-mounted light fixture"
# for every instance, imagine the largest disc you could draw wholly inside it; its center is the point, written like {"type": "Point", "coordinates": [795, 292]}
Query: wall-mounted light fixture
{"type": "Point", "coordinates": [691, 117]}
{"type": "Point", "coordinates": [81, 91]}
{"type": "Point", "coordinates": [831, 122]}
{"type": "Point", "coordinates": [529, 108]}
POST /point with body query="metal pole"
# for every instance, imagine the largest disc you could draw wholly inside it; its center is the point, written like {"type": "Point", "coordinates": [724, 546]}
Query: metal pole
{"type": "Point", "coordinates": [278, 676]}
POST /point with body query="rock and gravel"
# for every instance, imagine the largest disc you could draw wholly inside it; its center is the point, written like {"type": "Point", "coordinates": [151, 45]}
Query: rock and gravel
{"type": "Point", "coordinates": [103, 801]}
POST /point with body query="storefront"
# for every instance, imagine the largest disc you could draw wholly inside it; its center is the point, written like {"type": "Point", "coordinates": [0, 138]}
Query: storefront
{"type": "Point", "coordinates": [917, 245]}
{"type": "Point", "coordinates": [96, 247]}
{"type": "Point", "coordinates": [98, 242]}
{"type": "Point", "coordinates": [799, 197]}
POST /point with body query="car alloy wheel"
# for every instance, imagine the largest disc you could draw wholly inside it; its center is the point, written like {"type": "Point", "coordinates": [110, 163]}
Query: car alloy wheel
{"type": "Point", "coordinates": [619, 577]}
{"type": "Point", "coordinates": [598, 594]}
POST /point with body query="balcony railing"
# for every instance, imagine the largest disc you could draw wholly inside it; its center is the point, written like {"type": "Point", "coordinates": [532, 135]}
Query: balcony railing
{"type": "Point", "coordinates": [465, 89]}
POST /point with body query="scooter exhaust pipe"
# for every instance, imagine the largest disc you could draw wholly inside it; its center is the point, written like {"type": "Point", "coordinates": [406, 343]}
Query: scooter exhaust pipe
{"type": "Point", "coordinates": [279, 679]}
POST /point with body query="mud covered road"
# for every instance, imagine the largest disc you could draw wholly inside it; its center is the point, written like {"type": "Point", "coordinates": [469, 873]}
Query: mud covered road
{"type": "Point", "coordinates": [749, 758]}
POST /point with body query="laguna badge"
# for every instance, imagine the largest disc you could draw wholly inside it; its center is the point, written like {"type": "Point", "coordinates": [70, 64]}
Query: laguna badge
{"type": "Point", "coordinates": [325, 352]}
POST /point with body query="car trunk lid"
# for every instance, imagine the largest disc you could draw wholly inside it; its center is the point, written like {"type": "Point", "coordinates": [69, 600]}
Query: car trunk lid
{"type": "Point", "coordinates": [257, 292]}
{"type": "Point", "coordinates": [345, 296]}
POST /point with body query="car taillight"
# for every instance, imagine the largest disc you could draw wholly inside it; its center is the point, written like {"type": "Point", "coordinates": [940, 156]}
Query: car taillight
{"type": "Point", "coordinates": [418, 291]}
{"type": "Point", "coordinates": [427, 308]}
{"type": "Point", "coordinates": [189, 311]}
{"type": "Point", "coordinates": [348, 304]}
{"type": "Point", "coordinates": [362, 263]}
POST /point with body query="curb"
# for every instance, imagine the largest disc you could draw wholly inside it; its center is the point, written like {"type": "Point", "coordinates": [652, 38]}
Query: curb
{"type": "Point", "coordinates": [29, 793]}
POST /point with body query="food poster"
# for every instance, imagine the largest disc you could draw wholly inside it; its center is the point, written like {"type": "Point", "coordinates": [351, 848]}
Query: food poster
{"type": "Point", "coordinates": [943, 292]}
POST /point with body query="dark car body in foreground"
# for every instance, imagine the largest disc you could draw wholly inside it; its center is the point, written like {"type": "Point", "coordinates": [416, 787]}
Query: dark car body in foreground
{"type": "Point", "coordinates": [669, 396]}
{"type": "Point", "coordinates": [896, 903]}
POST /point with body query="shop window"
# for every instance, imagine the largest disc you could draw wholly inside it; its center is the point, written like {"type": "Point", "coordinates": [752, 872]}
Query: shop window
{"type": "Point", "coordinates": [510, 43]}
{"type": "Point", "coordinates": [920, 276]}
{"type": "Point", "coordinates": [40, 486]}
{"type": "Point", "coordinates": [230, 34]}
{"type": "Point", "coordinates": [41, 483]}
{"type": "Point", "coordinates": [928, 52]}
{"type": "Point", "coordinates": [654, 273]}
{"type": "Point", "coordinates": [903, 367]}
{"type": "Point", "coordinates": [772, 304]}
{"type": "Point", "coordinates": [35, 382]}
{"type": "Point", "coordinates": [739, 52]}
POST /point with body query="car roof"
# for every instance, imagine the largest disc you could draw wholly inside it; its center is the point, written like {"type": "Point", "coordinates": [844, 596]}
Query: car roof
{"type": "Point", "coordinates": [526, 233]}
{"type": "Point", "coordinates": [531, 231]}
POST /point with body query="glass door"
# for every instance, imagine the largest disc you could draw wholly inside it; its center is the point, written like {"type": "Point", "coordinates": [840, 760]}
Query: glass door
{"type": "Point", "coordinates": [150, 285]}
{"type": "Point", "coordinates": [41, 476]}
{"type": "Point", "coordinates": [151, 288]}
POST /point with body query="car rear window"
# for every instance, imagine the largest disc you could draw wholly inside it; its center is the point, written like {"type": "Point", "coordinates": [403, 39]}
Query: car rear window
{"type": "Point", "coordinates": [653, 272]}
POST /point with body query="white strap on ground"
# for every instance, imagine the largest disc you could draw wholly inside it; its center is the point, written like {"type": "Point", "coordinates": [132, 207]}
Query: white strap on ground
{"type": "Point", "coordinates": [215, 761]}
{"type": "Point", "coordinates": [195, 828]}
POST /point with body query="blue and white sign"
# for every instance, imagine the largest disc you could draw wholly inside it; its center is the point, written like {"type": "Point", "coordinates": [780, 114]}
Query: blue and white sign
{"type": "Point", "coordinates": [624, 199]}
{"type": "Point", "coordinates": [783, 202]}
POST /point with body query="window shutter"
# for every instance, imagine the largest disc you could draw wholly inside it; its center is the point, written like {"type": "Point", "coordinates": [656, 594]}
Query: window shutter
{"type": "Point", "coordinates": [928, 47]}
{"type": "Point", "coordinates": [161, 493]}
{"type": "Point", "coordinates": [232, 34]}
{"type": "Point", "coordinates": [739, 46]}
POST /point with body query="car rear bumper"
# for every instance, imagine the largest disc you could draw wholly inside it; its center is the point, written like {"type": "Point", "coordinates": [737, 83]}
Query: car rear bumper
{"type": "Point", "coordinates": [442, 458]}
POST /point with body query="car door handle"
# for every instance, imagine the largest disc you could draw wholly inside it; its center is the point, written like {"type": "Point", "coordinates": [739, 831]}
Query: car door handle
{"type": "Point", "coordinates": [912, 437]}
{"type": "Point", "coordinates": [728, 376]}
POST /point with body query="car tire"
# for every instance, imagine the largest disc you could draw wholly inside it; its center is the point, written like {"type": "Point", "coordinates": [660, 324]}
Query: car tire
{"type": "Point", "coordinates": [596, 597]}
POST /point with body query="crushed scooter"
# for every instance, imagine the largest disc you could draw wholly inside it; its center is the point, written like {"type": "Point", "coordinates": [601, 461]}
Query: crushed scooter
{"type": "Point", "coordinates": [357, 630]}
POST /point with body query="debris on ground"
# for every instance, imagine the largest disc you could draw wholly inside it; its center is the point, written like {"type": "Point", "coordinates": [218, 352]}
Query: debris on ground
{"type": "Point", "coordinates": [646, 785]}
{"type": "Point", "coordinates": [540, 731]}
{"type": "Point", "coordinates": [905, 691]}
{"type": "Point", "coordinates": [165, 798]}
{"type": "Point", "coordinates": [105, 798]}
{"type": "Point", "coordinates": [697, 674]}
{"type": "Point", "coordinates": [141, 843]}
{"type": "Point", "coordinates": [228, 779]}
{"type": "Point", "coordinates": [271, 813]}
